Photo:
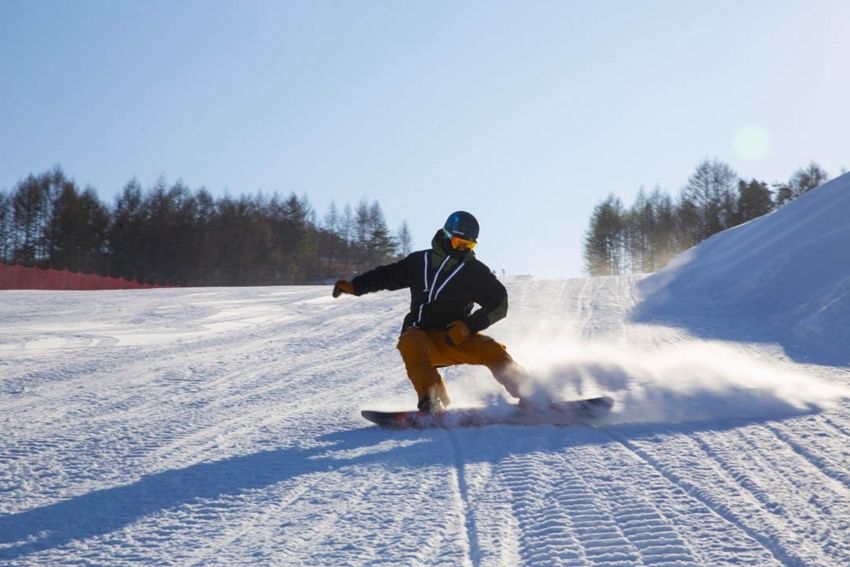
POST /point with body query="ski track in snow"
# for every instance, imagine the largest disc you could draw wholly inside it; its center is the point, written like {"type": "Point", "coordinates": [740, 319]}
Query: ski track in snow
{"type": "Point", "coordinates": [221, 427]}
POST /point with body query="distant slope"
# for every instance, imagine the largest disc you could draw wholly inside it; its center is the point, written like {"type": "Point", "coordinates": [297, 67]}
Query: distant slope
{"type": "Point", "coordinates": [785, 276]}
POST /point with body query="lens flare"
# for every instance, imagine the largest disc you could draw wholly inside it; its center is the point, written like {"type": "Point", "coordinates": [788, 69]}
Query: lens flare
{"type": "Point", "coordinates": [751, 142]}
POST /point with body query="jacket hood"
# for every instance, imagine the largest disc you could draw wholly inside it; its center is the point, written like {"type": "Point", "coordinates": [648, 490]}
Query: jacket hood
{"type": "Point", "coordinates": [440, 245]}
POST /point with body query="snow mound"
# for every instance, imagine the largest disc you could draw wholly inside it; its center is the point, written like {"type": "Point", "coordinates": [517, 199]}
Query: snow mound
{"type": "Point", "coordinates": [788, 272]}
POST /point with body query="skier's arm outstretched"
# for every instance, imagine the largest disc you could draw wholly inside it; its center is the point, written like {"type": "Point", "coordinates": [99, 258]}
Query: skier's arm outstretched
{"type": "Point", "coordinates": [390, 277]}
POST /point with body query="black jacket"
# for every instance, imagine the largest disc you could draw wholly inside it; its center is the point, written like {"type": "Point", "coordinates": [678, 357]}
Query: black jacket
{"type": "Point", "coordinates": [444, 286]}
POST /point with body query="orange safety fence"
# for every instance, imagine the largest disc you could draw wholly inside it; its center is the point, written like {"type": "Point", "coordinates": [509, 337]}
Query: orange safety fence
{"type": "Point", "coordinates": [23, 277]}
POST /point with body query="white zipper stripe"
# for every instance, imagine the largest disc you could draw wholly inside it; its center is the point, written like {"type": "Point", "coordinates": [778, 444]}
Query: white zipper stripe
{"type": "Point", "coordinates": [432, 295]}
{"type": "Point", "coordinates": [426, 272]}
{"type": "Point", "coordinates": [447, 280]}
{"type": "Point", "coordinates": [434, 283]}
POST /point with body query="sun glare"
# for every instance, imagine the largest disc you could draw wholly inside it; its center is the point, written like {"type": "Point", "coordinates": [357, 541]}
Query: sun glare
{"type": "Point", "coordinates": [751, 142]}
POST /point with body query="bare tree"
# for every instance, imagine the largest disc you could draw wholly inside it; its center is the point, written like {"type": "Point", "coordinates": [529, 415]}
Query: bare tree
{"type": "Point", "coordinates": [712, 190]}
{"type": "Point", "coordinates": [801, 182]}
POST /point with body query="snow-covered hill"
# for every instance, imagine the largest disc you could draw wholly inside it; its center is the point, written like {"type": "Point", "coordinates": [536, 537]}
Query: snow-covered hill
{"type": "Point", "coordinates": [221, 427]}
{"type": "Point", "coordinates": [783, 277]}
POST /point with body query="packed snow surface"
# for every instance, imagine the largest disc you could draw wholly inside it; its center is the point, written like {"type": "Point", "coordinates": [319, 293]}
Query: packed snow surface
{"type": "Point", "coordinates": [222, 427]}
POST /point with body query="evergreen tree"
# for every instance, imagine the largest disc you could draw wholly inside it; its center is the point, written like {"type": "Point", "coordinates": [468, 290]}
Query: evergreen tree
{"type": "Point", "coordinates": [405, 239]}
{"type": "Point", "coordinates": [28, 204]}
{"type": "Point", "coordinates": [6, 228]}
{"type": "Point", "coordinates": [651, 232]}
{"type": "Point", "coordinates": [161, 253]}
{"type": "Point", "coordinates": [170, 234]}
{"type": "Point", "coordinates": [605, 238]}
{"type": "Point", "coordinates": [362, 221]}
{"type": "Point", "coordinates": [126, 232]}
{"type": "Point", "coordinates": [754, 200]}
{"type": "Point", "coordinates": [54, 184]}
{"type": "Point", "coordinates": [235, 230]}
{"type": "Point", "coordinates": [381, 245]}
{"type": "Point", "coordinates": [332, 219]}
{"type": "Point", "coordinates": [664, 236]}
{"type": "Point", "coordinates": [80, 230]}
{"type": "Point", "coordinates": [783, 193]}
{"type": "Point", "coordinates": [361, 233]}
{"type": "Point", "coordinates": [654, 229]}
{"type": "Point", "coordinates": [347, 225]}
{"type": "Point", "coordinates": [203, 252]}
{"type": "Point", "coordinates": [329, 242]}
{"type": "Point", "coordinates": [294, 234]}
{"type": "Point", "coordinates": [640, 226]}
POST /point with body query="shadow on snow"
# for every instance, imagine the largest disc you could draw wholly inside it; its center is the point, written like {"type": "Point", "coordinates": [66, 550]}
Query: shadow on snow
{"type": "Point", "coordinates": [677, 306]}
{"type": "Point", "coordinates": [109, 510]}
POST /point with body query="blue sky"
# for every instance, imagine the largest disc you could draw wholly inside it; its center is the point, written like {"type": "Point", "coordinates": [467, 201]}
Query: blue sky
{"type": "Point", "coordinates": [525, 113]}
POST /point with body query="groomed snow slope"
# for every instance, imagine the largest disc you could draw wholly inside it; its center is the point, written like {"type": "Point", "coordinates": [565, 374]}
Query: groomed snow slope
{"type": "Point", "coordinates": [783, 277]}
{"type": "Point", "coordinates": [221, 427]}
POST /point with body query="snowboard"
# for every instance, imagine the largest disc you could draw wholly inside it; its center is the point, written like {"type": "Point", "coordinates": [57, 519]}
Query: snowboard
{"type": "Point", "coordinates": [573, 412]}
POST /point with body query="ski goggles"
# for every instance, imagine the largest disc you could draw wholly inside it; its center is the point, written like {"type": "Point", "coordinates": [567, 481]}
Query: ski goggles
{"type": "Point", "coordinates": [458, 242]}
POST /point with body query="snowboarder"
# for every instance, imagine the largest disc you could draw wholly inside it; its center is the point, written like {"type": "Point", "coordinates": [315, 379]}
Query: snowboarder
{"type": "Point", "coordinates": [441, 329]}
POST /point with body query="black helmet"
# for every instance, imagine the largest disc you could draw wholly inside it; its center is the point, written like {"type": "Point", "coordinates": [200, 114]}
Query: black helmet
{"type": "Point", "coordinates": [463, 224]}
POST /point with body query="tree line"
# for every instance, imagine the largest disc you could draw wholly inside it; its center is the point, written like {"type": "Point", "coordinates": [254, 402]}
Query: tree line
{"type": "Point", "coordinates": [171, 234]}
{"type": "Point", "coordinates": [643, 237]}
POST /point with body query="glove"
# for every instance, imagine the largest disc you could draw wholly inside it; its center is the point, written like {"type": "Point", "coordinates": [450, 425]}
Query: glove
{"type": "Point", "coordinates": [458, 333]}
{"type": "Point", "coordinates": [343, 286]}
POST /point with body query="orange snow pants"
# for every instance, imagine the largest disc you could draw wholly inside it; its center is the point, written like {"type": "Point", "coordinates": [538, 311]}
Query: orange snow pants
{"type": "Point", "coordinates": [425, 351]}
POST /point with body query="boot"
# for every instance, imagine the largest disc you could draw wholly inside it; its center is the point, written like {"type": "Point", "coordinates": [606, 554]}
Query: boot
{"type": "Point", "coordinates": [431, 403]}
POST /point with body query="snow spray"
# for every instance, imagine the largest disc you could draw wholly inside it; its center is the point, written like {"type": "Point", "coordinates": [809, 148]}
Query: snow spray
{"type": "Point", "coordinates": [683, 379]}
